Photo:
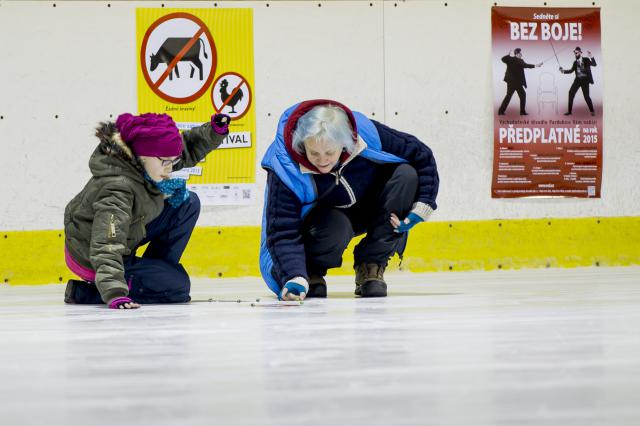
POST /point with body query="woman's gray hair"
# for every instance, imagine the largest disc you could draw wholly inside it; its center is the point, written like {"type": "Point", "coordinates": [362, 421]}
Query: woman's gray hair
{"type": "Point", "coordinates": [324, 122]}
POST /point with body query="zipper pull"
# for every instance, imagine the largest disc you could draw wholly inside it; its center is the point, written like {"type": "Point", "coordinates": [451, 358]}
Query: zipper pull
{"type": "Point", "coordinates": [337, 177]}
{"type": "Point", "coordinates": [112, 227]}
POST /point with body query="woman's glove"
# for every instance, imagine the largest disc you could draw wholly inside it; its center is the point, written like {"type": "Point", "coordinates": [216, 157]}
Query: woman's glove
{"type": "Point", "coordinates": [123, 303]}
{"type": "Point", "coordinates": [220, 123]}
{"type": "Point", "coordinates": [419, 213]}
{"type": "Point", "coordinates": [297, 286]}
{"type": "Point", "coordinates": [409, 222]}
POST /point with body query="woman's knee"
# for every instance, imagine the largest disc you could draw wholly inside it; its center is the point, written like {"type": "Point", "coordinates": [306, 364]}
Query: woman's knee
{"type": "Point", "coordinates": [329, 223]}
{"type": "Point", "coordinates": [331, 229]}
{"type": "Point", "coordinates": [406, 173]}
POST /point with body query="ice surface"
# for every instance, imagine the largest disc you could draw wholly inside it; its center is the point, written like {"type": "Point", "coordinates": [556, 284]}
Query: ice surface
{"type": "Point", "coordinates": [529, 347]}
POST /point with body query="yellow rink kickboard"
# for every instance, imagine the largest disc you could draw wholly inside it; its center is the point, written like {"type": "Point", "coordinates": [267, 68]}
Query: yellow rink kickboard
{"type": "Point", "coordinates": [37, 257]}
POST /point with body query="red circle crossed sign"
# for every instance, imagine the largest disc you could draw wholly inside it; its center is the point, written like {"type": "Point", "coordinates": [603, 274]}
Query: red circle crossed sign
{"type": "Point", "coordinates": [178, 38]}
{"type": "Point", "coordinates": [231, 94]}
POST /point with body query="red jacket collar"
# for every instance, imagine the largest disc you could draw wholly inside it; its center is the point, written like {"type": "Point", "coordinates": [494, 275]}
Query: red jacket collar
{"type": "Point", "coordinates": [292, 121]}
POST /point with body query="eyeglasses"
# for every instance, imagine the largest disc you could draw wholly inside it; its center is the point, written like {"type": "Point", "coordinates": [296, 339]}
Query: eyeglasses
{"type": "Point", "coordinates": [167, 163]}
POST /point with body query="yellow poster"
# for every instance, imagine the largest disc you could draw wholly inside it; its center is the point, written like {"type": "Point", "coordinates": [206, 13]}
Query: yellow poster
{"type": "Point", "coordinates": [193, 63]}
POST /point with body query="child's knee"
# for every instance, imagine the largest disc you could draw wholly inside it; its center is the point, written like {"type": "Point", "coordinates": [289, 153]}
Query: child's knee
{"type": "Point", "coordinates": [194, 200]}
{"type": "Point", "coordinates": [156, 281]}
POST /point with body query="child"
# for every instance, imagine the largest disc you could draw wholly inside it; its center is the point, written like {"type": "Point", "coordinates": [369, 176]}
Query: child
{"type": "Point", "coordinates": [130, 201]}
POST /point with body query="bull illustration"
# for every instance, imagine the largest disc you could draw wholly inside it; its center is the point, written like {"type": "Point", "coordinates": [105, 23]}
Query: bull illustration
{"type": "Point", "coordinates": [171, 47]}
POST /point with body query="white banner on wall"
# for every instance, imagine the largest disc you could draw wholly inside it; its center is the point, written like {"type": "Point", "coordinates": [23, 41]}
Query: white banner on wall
{"type": "Point", "coordinates": [225, 195]}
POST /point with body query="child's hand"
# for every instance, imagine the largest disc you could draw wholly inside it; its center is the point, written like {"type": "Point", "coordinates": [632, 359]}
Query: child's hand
{"type": "Point", "coordinates": [132, 305]}
{"type": "Point", "coordinates": [220, 123]}
{"type": "Point", "coordinates": [123, 303]}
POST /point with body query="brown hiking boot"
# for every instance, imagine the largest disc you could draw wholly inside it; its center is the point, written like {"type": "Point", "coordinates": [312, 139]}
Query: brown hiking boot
{"type": "Point", "coordinates": [370, 280]}
{"type": "Point", "coordinates": [317, 286]}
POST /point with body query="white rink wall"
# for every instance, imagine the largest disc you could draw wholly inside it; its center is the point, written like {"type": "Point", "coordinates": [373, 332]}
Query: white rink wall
{"type": "Point", "coordinates": [419, 66]}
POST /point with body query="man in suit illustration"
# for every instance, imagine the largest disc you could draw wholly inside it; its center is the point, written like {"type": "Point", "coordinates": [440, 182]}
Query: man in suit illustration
{"type": "Point", "coordinates": [582, 68]}
{"type": "Point", "coordinates": [515, 79]}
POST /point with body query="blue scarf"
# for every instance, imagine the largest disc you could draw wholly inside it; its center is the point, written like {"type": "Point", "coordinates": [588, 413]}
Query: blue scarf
{"type": "Point", "coordinates": [176, 189]}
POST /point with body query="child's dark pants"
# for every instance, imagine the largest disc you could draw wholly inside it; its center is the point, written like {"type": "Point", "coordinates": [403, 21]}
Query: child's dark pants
{"type": "Point", "coordinates": [157, 276]}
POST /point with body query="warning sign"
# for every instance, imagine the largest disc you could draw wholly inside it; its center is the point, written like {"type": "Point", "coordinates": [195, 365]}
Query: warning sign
{"type": "Point", "coordinates": [178, 57]}
{"type": "Point", "coordinates": [181, 53]}
{"type": "Point", "coordinates": [231, 94]}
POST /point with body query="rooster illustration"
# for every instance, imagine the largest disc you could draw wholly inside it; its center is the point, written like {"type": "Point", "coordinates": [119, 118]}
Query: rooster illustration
{"type": "Point", "coordinates": [225, 95]}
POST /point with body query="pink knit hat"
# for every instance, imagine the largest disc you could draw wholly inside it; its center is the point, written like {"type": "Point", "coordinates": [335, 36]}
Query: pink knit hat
{"type": "Point", "coordinates": [151, 135]}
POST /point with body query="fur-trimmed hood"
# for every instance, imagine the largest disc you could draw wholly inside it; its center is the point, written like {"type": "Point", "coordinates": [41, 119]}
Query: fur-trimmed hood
{"type": "Point", "coordinates": [113, 156]}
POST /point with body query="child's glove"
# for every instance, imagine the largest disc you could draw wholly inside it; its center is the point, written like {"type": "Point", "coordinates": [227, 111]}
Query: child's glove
{"type": "Point", "coordinates": [123, 303]}
{"type": "Point", "coordinates": [220, 123]}
{"type": "Point", "coordinates": [419, 213]}
{"type": "Point", "coordinates": [297, 286]}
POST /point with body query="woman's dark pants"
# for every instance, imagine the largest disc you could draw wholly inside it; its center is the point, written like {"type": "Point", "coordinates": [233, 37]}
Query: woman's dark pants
{"type": "Point", "coordinates": [328, 230]}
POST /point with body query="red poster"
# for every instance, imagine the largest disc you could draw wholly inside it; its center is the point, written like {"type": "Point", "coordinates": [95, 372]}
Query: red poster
{"type": "Point", "coordinates": [547, 103]}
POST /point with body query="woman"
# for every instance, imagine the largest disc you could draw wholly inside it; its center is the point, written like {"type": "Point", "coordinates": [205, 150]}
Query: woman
{"type": "Point", "coordinates": [334, 174]}
{"type": "Point", "coordinates": [131, 200]}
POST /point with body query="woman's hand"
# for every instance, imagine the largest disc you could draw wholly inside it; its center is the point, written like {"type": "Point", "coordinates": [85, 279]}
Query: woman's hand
{"type": "Point", "coordinates": [294, 289]}
{"type": "Point", "coordinates": [395, 222]}
{"type": "Point", "coordinates": [409, 222]}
